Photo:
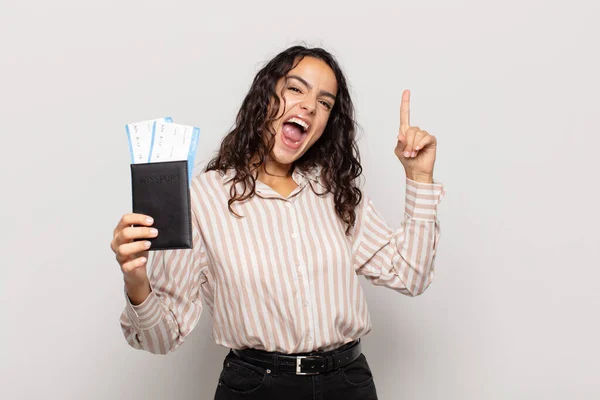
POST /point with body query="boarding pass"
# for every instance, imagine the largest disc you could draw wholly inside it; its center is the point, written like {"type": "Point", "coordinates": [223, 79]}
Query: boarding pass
{"type": "Point", "coordinates": [160, 140]}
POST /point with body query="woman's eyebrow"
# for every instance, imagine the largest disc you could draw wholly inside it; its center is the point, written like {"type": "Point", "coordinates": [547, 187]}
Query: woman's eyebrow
{"type": "Point", "coordinates": [308, 85]}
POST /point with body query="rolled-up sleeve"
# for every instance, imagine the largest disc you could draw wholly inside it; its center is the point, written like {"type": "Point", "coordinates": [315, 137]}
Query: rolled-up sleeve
{"type": "Point", "coordinates": [402, 259]}
{"type": "Point", "coordinates": [161, 323]}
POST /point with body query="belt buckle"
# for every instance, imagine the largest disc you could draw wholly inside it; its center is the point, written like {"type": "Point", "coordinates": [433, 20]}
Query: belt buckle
{"type": "Point", "coordinates": [299, 366]}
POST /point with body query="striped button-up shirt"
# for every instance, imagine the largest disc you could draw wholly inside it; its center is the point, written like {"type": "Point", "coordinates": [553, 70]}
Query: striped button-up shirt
{"type": "Point", "coordinates": [285, 276]}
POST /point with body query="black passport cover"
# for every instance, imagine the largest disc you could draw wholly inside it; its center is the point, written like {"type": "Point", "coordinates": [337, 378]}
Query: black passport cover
{"type": "Point", "coordinates": [161, 190]}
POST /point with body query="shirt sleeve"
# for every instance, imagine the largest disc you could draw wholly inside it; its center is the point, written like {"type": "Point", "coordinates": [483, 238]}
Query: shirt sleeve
{"type": "Point", "coordinates": [161, 323]}
{"type": "Point", "coordinates": [401, 259]}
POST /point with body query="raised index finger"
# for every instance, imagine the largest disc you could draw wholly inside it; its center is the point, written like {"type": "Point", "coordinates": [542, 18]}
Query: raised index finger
{"type": "Point", "coordinates": [405, 111]}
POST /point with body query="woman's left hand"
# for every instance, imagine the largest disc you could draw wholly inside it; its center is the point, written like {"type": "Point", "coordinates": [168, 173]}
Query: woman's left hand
{"type": "Point", "coordinates": [416, 147]}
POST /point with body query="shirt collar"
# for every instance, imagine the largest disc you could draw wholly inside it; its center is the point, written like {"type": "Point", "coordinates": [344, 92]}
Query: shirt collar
{"type": "Point", "coordinates": [313, 174]}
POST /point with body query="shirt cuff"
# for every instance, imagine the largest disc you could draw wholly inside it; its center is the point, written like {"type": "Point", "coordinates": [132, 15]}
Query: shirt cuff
{"type": "Point", "coordinates": [422, 199]}
{"type": "Point", "coordinates": [145, 315]}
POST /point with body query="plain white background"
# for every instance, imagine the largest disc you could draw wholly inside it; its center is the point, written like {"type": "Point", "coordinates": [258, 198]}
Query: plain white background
{"type": "Point", "coordinates": [509, 88]}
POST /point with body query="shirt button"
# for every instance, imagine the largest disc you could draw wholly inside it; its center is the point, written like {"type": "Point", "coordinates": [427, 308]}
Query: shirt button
{"type": "Point", "coordinates": [309, 339]}
{"type": "Point", "coordinates": [294, 235]}
{"type": "Point", "coordinates": [301, 268]}
{"type": "Point", "coordinates": [306, 304]}
{"type": "Point", "coordinates": [288, 205]}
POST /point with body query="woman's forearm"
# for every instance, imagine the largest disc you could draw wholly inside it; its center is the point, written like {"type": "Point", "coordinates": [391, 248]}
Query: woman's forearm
{"type": "Point", "coordinates": [138, 293]}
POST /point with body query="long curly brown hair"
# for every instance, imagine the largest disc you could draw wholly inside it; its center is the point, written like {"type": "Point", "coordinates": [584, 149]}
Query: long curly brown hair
{"type": "Point", "coordinates": [244, 148]}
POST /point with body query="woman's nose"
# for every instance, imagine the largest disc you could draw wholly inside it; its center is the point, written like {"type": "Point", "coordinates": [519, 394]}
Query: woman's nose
{"type": "Point", "coordinates": [309, 105]}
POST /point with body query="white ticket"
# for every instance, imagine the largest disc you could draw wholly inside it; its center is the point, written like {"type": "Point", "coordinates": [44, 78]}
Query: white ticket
{"type": "Point", "coordinates": [174, 142]}
{"type": "Point", "coordinates": [139, 135]}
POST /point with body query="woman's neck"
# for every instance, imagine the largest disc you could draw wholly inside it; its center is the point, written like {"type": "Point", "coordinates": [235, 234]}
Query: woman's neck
{"type": "Point", "coordinates": [273, 170]}
{"type": "Point", "coordinates": [278, 177]}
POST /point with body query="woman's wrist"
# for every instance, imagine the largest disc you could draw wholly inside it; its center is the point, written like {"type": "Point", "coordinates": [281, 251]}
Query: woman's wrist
{"type": "Point", "coordinates": [422, 178]}
{"type": "Point", "coordinates": [138, 292]}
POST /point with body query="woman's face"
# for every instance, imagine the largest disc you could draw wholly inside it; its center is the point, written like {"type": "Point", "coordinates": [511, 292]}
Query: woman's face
{"type": "Point", "coordinates": [309, 94]}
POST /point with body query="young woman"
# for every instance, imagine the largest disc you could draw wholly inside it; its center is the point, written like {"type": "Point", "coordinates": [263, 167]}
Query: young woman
{"type": "Point", "coordinates": [281, 234]}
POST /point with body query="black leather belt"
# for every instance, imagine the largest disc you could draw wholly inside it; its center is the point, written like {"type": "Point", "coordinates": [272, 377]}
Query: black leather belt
{"type": "Point", "coordinates": [308, 364]}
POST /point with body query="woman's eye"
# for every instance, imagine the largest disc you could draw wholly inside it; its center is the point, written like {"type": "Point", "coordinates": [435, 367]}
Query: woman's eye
{"type": "Point", "coordinates": [326, 104]}
{"type": "Point", "coordinates": [295, 89]}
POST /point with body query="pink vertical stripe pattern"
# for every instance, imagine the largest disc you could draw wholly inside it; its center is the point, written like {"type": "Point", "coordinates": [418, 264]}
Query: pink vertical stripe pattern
{"type": "Point", "coordinates": [285, 277]}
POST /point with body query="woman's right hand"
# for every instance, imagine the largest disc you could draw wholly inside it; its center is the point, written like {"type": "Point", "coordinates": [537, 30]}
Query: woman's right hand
{"type": "Point", "coordinates": [133, 255]}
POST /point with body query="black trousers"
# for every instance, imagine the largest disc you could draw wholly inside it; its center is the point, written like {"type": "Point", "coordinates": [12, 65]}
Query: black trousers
{"type": "Point", "coordinates": [241, 380]}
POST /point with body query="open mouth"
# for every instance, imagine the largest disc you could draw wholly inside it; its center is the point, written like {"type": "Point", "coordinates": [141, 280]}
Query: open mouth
{"type": "Point", "coordinates": [294, 132]}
